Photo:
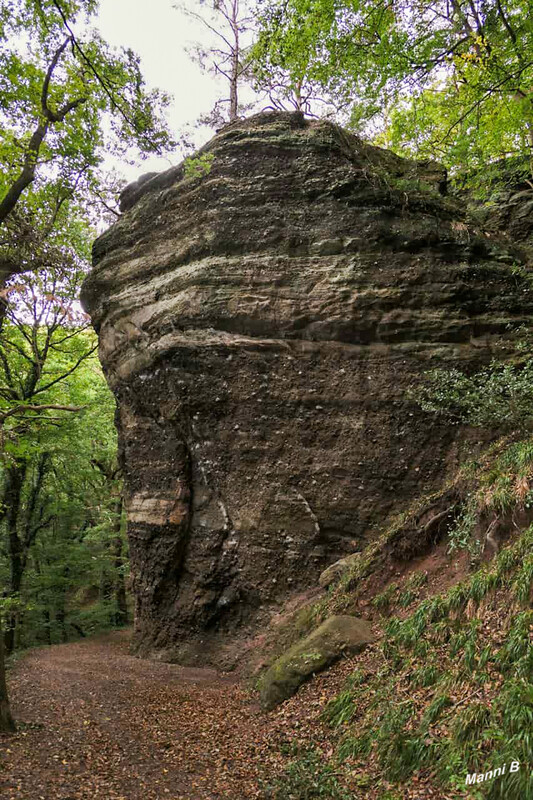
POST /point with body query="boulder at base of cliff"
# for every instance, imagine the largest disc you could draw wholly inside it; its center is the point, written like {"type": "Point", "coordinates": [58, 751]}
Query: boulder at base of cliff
{"type": "Point", "coordinates": [335, 637]}
{"type": "Point", "coordinates": [336, 570]}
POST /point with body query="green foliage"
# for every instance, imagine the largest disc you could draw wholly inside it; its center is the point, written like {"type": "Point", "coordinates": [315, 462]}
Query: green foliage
{"type": "Point", "coordinates": [439, 704]}
{"type": "Point", "coordinates": [394, 595]}
{"type": "Point", "coordinates": [382, 601]}
{"type": "Point", "coordinates": [411, 589]}
{"type": "Point", "coordinates": [307, 777]}
{"type": "Point", "coordinates": [341, 709]}
{"type": "Point", "coordinates": [399, 751]}
{"type": "Point", "coordinates": [499, 396]}
{"type": "Point", "coordinates": [71, 559]}
{"type": "Point", "coordinates": [461, 534]}
{"type": "Point", "coordinates": [198, 166]}
{"type": "Point", "coordinates": [470, 722]}
{"type": "Point", "coordinates": [62, 546]}
{"type": "Point", "coordinates": [480, 735]}
{"type": "Point", "coordinates": [110, 82]}
{"type": "Point", "coordinates": [66, 100]}
{"type": "Point", "coordinates": [438, 80]}
{"type": "Point", "coordinates": [425, 675]}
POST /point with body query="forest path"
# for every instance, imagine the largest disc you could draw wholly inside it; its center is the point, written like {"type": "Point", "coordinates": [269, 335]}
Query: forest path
{"type": "Point", "coordinates": [95, 722]}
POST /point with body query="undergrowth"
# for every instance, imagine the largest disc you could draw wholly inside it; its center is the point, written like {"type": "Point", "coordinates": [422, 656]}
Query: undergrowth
{"type": "Point", "coordinates": [341, 594]}
{"type": "Point", "coordinates": [448, 692]}
{"type": "Point", "coordinates": [307, 777]}
{"type": "Point", "coordinates": [454, 692]}
{"type": "Point", "coordinates": [489, 494]}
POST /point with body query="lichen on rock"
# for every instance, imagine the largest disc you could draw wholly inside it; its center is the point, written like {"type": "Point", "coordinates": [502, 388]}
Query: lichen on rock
{"type": "Point", "coordinates": [260, 324]}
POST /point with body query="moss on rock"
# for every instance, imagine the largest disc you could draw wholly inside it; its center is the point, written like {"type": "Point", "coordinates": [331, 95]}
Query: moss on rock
{"type": "Point", "coordinates": [337, 635]}
{"type": "Point", "coordinates": [339, 568]}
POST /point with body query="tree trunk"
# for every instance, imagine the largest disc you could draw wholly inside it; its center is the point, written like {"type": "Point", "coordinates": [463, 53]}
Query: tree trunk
{"type": "Point", "coordinates": [122, 606]}
{"type": "Point", "coordinates": [115, 586]}
{"type": "Point", "coordinates": [235, 59]}
{"type": "Point", "coordinates": [78, 629]}
{"type": "Point", "coordinates": [20, 534]}
{"type": "Point", "coordinates": [60, 619]}
{"type": "Point", "coordinates": [47, 619]}
{"type": "Point", "coordinates": [19, 628]}
{"type": "Point", "coordinates": [12, 498]}
{"type": "Point", "coordinates": [298, 95]}
{"type": "Point", "coordinates": [47, 624]}
{"type": "Point", "coordinates": [233, 90]}
{"type": "Point", "coordinates": [121, 614]}
{"type": "Point", "coordinates": [7, 724]}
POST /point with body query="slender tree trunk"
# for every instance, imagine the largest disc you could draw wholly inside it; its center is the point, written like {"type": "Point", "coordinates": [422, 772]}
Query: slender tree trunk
{"type": "Point", "coordinates": [233, 95]}
{"type": "Point", "coordinates": [298, 95]}
{"type": "Point", "coordinates": [60, 619]}
{"type": "Point", "coordinates": [121, 613]}
{"type": "Point", "coordinates": [78, 629]}
{"type": "Point", "coordinates": [122, 605]}
{"type": "Point", "coordinates": [21, 534]}
{"type": "Point", "coordinates": [529, 125]}
{"type": "Point", "coordinates": [113, 585]}
{"type": "Point", "coordinates": [235, 58]}
{"type": "Point", "coordinates": [12, 498]}
{"type": "Point", "coordinates": [117, 546]}
{"type": "Point", "coordinates": [19, 628]}
{"type": "Point", "coordinates": [7, 724]}
{"type": "Point", "coordinates": [107, 589]}
{"type": "Point", "coordinates": [47, 621]}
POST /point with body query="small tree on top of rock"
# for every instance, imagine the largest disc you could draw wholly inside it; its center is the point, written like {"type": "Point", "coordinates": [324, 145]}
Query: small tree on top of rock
{"type": "Point", "coordinates": [231, 23]}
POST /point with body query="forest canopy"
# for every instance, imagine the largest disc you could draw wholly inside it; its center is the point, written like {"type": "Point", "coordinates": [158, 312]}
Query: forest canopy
{"type": "Point", "coordinates": [449, 79]}
{"type": "Point", "coordinates": [66, 99]}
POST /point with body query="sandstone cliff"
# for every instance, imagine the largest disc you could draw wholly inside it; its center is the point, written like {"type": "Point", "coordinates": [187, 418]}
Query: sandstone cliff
{"type": "Point", "coordinates": [260, 323]}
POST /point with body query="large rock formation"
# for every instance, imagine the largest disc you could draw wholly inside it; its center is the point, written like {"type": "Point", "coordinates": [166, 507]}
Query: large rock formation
{"type": "Point", "coordinates": [262, 313]}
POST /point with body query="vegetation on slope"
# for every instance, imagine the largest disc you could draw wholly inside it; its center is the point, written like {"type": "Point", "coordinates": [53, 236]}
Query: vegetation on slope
{"type": "Point", "coordinates": [448, 692]}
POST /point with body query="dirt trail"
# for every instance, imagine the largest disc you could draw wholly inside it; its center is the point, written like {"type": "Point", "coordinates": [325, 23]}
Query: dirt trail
{"type": "Point", "coordinates": [99, 723]}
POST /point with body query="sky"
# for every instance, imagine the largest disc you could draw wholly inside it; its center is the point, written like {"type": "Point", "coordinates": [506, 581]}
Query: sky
{"type": "Point", "coordinates": [160, 35]}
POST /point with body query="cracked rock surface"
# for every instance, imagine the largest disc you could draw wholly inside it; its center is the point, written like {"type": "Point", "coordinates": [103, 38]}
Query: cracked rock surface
{"type": "Point", "coordinates": [260, 324]}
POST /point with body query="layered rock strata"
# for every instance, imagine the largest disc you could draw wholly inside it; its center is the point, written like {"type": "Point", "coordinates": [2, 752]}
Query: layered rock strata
{"type": "Point", "coordinates": [262, 312]}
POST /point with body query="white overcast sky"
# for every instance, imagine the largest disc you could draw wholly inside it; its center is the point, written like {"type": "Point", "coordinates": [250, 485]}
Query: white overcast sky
{"type": "Point", "coordinates": [160, 35]}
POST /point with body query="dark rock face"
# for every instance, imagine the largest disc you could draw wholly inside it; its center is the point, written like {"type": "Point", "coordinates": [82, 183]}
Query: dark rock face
{"type": "Point", "coordinates": [506, 204]}
{"type": "Point", "coordinates": [260, 325]}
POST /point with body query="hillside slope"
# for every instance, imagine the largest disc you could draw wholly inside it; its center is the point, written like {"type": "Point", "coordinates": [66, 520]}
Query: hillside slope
{"type": "Point", "coordinates": [442, 706]}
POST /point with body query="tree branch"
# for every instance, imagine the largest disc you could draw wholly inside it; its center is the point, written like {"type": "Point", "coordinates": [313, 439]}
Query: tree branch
{"type": "Point", "coordinates": [102, 81]}
{"type": "Point", "coordinates": [31, 155]}
{"type": "Point", "coordinates": [24, 407]}
{"type": "Point", "coordinates": [69, 372]}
